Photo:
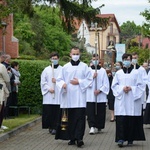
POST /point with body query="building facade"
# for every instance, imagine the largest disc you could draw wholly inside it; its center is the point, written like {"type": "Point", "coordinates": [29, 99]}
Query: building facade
{"type": "Point", "coordinates": [8, 43]}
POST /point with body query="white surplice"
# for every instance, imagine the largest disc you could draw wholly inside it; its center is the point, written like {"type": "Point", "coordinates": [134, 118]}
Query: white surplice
{"type": "Point", "coordinates": [102, 85]}
{"type": "Point", "coordinates": [148, 83]}
{"type": "Point", "coordinates": [75, 95]}
{"type": "Point", "coordinates": [128, 104]}
{"type": "Point", "coordinates": [144, 77]}
{"type": "Point", "coordinates": [47, 84]}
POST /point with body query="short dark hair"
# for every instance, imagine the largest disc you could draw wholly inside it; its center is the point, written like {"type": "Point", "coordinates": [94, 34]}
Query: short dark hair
{"type": "Point", "coordinates": [125, 56]}
{"type": "Point", "coordinates": [95, 55]}
{"type": "Point", "coordinates": [54, 54]}
{"type": "Point", "coordinates": [14, 63]}
{"type": "Point", "coordinates": [134, 53]}
{"type": "Point", "coordinates": [75, 48]}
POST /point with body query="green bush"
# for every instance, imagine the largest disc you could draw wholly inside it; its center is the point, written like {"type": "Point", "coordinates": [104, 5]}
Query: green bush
{"type": "Point", "coordinates": [29, 90]}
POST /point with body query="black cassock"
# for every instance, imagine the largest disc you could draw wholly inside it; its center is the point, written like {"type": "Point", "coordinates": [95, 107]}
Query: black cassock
{"type": "Point", "coordinates": [75, 126]}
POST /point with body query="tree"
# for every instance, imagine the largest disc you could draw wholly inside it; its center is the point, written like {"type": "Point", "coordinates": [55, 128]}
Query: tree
{"type": "Point", "coordinates": [68, 10]}
{"type": "Point", "coordinates": [146, 25]}
{"type": "Point", "coordinates": [4, 12]}
{"type": "Point", "coordinates": [129, 31]}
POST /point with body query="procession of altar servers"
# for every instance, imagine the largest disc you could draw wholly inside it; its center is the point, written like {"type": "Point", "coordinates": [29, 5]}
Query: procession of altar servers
{"type": "Point", "coordinates": [83, 97]}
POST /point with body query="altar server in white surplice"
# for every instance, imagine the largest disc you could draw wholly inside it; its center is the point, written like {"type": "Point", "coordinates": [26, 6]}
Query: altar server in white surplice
{"type": "Point", "coordinates": [147, 110]}
{"type": "Point", "coordinates": [128, 88]}
{"type": "Point", "coordinates": [50, 92]}
{"type": "Point", "coordinates": [96, 97]}
{"type": "Point", "coordinates": [143, 75]}
{"type": "Point", "coordinates": [73, 82]}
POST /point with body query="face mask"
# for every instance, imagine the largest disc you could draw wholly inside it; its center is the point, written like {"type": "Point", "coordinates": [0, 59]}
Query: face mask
{"type": "Point", "coordinates": [55, 62]}
{"type": "Point", "coordinates": [118, 67]}
{"type": "Point", "coordinates": [134, 61]}
{"type": "Point", "coordinates": [75, 57]}
{"type": "Point", "coordinates": [95, 62]}
{"type": "Point", "coordinates": [126, 63]}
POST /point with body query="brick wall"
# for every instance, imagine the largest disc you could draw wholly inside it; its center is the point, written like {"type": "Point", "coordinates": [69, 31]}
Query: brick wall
{"type": "Point", "coordinates": [10, 42]}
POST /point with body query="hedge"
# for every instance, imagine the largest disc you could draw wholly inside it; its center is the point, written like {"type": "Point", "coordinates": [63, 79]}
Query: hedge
{"type": "Point", "coordinates": [29, 89]}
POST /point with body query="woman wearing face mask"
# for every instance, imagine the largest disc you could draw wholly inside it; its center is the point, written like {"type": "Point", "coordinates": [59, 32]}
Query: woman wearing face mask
{"type": "Point", "coordinates": [119, 65]}
{"type": "Point", "coordinates": [128, 88]}
{"type": "Point", "coordinates": [51, 104]}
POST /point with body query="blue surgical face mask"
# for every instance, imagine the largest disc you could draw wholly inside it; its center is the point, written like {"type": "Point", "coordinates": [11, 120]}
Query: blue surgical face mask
{"type": "Point", "coordinates": [55, 62]}
{"type": "Point", "coordinates": [134, 61]}
{"type": "Point", "coordinates": [126, 63]}
{"type": "Point", "coordinates": [95, 62]}
{"type": "Point", "coordinates": [118, 67]}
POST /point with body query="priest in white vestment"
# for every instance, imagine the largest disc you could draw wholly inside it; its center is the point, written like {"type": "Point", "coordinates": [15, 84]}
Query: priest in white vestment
{"type": "Point", "coordinates": [50, 92]}
{"type": "Point", "coordinates": [73, 82]}
{"type": "Point", "coordinates": [128, 88]}
{"type": "Point", "coordinates": [96, 97]}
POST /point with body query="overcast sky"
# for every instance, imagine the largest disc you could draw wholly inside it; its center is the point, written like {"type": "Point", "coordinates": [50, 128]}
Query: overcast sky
{"type": "Point", "coordinates": [124, 10]}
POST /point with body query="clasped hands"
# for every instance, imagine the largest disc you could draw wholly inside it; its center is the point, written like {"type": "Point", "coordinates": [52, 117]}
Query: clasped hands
{"type": "Point", "coordinates": [73, 82]}
{"type": "Point", "coordinates": [126, 89]}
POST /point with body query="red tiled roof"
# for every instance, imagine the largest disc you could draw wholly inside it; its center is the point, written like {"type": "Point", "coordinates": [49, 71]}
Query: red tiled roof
{"type": "Point", "coordinates": [112, 19]}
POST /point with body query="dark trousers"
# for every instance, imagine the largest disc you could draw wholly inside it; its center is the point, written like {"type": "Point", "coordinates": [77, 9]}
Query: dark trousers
{"type": "Point", "coordinates": [12, 100]}
{"type": "Point", "coordinates": [129, 128]}
{"type": "Point", "coordinates": [76, 123]}
{"type": "Point", "coordinates": [96, 119]}
{"type": "Point", "coordinates": [50, 116]}
{"type": "Point", "coordinates": [1, 114]}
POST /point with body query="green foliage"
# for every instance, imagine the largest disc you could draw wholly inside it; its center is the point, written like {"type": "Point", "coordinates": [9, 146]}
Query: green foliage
{"type": "Point", "coordinates": [129, 30]}
{"type": "Point", "coordinates": [29, 90]}
{"type": "Point", "coordinates": [144, 54]}
{"type": "Point", "coordinates": [146, 25]}
{"type": "Point", "coordinates": [18, 121]}
{"type": "Point", "coordinates": [86, 57]}
{"type": "Point", "coordinates": [4, 12]}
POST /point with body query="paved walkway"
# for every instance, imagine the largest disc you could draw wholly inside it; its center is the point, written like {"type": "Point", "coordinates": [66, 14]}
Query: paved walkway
{"type": "Point", "coordinates": [35, 138]}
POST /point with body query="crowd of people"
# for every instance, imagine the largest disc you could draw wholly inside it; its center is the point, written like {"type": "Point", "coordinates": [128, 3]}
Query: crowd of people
{"type": "Point", "coordinates": [9, 82]}
{"type": "Point", "coordinates": [76, 92]}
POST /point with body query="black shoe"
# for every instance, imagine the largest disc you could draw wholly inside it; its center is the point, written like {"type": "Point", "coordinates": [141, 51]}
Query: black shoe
{"type": "Point", "coordinates": [50, 131]}
{"type": "Point", "coordinates": [120, 143]}
{"type": "Point", "coordinates": [80, 143]}
{"type": "Point", "coordinates": [71, 142]}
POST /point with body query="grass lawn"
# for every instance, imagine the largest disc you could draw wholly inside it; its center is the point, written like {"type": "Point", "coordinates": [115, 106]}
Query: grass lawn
{"type": "Point", "coordinates": [18, 121]}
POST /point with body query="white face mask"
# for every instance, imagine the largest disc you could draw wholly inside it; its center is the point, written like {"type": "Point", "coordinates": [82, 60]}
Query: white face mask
{"type": "Point", "coordinates": [75, 57]}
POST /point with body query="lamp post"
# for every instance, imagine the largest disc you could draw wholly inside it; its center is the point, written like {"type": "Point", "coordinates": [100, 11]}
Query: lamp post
{"type": "Point", "coordinates": [4, 25]}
